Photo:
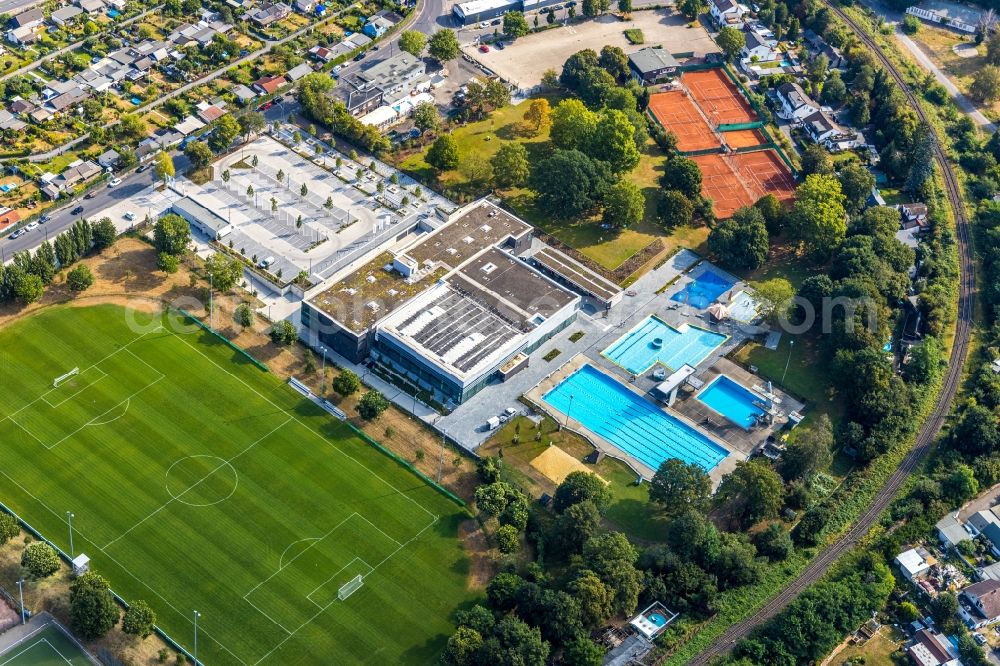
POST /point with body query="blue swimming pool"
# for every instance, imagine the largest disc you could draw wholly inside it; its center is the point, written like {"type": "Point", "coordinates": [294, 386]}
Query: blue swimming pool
{"type": "Point", "coordinates": [732, 400]}
{"type": "Point", "coordinates": [634, 425]}
{"type": "Point", "coordinates": [703, 290]}
{"type": "Point", "coordinates": [655, 341]}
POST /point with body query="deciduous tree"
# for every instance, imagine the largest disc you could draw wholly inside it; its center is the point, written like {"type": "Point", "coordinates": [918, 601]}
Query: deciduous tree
{"type": "Point", "coordinates": [413, 42]}
{"type": "Point", "coordinates": [93, 609]}
{"type": "Point", "coordinates": [624, 205]}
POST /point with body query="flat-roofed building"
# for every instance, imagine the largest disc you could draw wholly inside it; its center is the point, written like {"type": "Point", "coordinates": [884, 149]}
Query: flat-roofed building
{"type": "Point", "coordinates": [447, 311]}
{"type": "Point", "coordinates": [475, 11]}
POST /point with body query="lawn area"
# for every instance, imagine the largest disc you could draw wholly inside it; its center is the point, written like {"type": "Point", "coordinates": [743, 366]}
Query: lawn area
{"type": "Point", "coordinates": [607, 248]}
{"type": "Point", "coordinates": [939, 44]}
{"type": "Point", "coordinates": [877, 651]}
{"type": "Point", "coordinates": [806, 376]}
{"type": "Point", "coordinates": [630, 510]}
{"type": "Point", "coordinates": [201, 482]}
{"type": "Point", "coordinates": [46, 646]}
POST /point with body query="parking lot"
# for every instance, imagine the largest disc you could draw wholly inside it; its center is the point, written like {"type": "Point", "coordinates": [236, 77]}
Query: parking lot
{"type": "Point", "coordinates": [345, 206]}
{"type": "Point", "coordinates": [525, 60]}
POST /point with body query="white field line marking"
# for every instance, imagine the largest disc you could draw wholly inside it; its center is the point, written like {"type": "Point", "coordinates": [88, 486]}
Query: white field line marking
{"type": "Point", "coordinates": [323, 610]}
{"type": "Point", "coordinates": [32, 647]}
{"type": "Point", "coordinates": [297, 556]}
{"type": "Point", "coordinates": [83, 537]}
{"type": "Point", "coordinates": [197, 483]}
{"type": "Point", "coordinates": [92, 421]}
{"type": "Point", "coordinates": [45, 395]}
{"type": "Point", "coordinates": [307, 427]}
{"type": "Point", "coordinates": [287, 548]}
{"type": "Point", "coordinates": [339, 571]}
{"type": "Point", "coordinates": [97, 363]}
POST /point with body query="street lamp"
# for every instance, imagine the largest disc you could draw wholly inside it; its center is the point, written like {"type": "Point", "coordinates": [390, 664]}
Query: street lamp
{"type": "Point", "coordinates": [211, 311]}
{"type": "Point", "coordinates": [322, 372]}
{"type": "Point", "coordinates": [69, 519]}
{"type": "Point", "coordinates": [20, 592]}
{"type": "Point", "coordinates": [196, 616]}
{"type": "Point", "coordinates": [568, 409]}
{"type": "Point", "coordinates": [444, 443]}
{"type": "Point", "coordinates": [791, 343]}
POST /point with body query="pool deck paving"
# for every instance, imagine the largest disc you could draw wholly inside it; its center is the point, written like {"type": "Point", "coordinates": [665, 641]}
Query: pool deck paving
{"type": "Point", "coordinates": [708, 420]}
{"type": "Point", "coordinates": [537, 393]}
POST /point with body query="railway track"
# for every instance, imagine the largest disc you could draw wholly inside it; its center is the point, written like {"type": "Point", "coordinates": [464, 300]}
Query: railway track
{"type": "Point", "coordinates": [928, 431]}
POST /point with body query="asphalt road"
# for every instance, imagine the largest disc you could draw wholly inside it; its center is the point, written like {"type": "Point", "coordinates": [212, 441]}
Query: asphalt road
{"type": "Point", "coordinates": [61, 219]}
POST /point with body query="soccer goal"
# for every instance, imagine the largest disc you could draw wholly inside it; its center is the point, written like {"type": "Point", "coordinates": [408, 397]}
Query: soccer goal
{"type": "Point", "coordinates": [350, 587]}
{"type": "Point", "coordinates": [61, 378]}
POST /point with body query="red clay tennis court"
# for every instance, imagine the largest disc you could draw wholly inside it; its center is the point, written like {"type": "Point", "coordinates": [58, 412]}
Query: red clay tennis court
{"type": "Point", "coordinates": [744, 138]}
{"type": "Point", "coordinates": [721, 184]}
{"type": "Point", "coordinates": [764, 172]}
{"type": "Point", "coordinates": [718, 97]}
{"type": "Point", "coordinates": [675, 111]}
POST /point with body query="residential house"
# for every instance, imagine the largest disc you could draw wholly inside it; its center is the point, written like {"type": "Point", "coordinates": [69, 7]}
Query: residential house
{"type": "Point", "coordinates": [23, 36]}
{"type": "Point", "coordinates": [92, 6]}
{"type": "Point", "coordinates": [210, 113]}
{"type": "Point", "coordinates": [9, 217]}
{"type": "Point", "coordinates": [299, 71]}
{"type": "Point", "coordinates": [77, 173]}
{"type": "Point", "coordinates": [64, 15]}
{"type": "Point", "coordinates": [8, 121]}
{"type": "Point", "coordinates": [189, 125]}
{"type": "Point", "coordinates": [242, 93]}
{"type": "Point", "coordinates": [268, 85]}
{"type": "Point", "coordinates": [31, 18]}
{"type": "Point", "coordinates": [950, 530]}
{"type": "Point", "coordinates": [350, 44]}
{"type": "Point", "coordinates": [109, 158]}
{"type": "Point", "coordinates": [931, 648]}
{"type": "Point", "coordinates": [915, 215]}
{"type": "Point", "coordinates": [728, 13]}
{"type": "Point", "coordinates": [980, 520]}
{"type": "Point", "coordinates": [380, 22]}
{"type": "Point", "coordinates": [650, 65]}
{"type": "Point", "coordinates": [979, 604]}
{"type": "Point", "coordinates": [270, 13]}
{"type": "Point", "coordinates": [322, 54]}
{"type": "Point", "coordinates": [761, 46]}
{"type": "Point", "coordinates": [824, 131]}
{"type": "Point", "coordinates": [914, 564]}
{"type": "Point", "coordinates": [304, 6]}
{"type": "Point", "coordinates": [794, 103]}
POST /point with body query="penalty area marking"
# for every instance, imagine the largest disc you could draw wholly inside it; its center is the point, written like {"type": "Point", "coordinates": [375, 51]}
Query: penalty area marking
{"type": "Point", "coordinates": [31, 647]}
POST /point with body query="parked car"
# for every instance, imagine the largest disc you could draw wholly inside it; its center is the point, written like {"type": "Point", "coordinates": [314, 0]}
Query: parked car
{"type": "Point", "coordinates": [43, 219]}
{"type": "Point", "coordinates": [115, 182]}
{"type": "Point", "coordinates": [359, 57]}
{"type": "Point", "coordinates": [76, 211]}
{"type": "Point", "coordinates": [483, 48]}
{"type": "Point", "coordinates": [90, 195]}
{"type": "Point", "coordinates": [142, 168]}
{"type": "Point", "coordinates": [129, 215]}
{"type": "Point", "coordinates": [484, 24]}
{"type": "Point", "coordinates": [17, 234]}
{"type": "Point", "coordinates": [500, 46]}
{"type": "Point", "coordinates": [265, 106]}
{"type": "Point", "coordinates": [31, 226]}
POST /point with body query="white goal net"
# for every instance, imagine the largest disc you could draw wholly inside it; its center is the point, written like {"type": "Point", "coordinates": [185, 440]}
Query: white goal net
{"type": "Point", "coordinates": [350, 587]}
{"type": "Point", "coordinates": [61, 378]}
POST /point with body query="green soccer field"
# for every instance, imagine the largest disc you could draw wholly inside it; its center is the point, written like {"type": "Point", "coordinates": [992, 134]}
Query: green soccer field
{"type": "Point", "coordinates": [199, 482]}
{"type": "Point", "coordinates": [47, 646]}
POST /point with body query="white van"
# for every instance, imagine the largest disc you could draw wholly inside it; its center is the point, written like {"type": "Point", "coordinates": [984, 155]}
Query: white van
{"type": "Point", "coordinates": [265, 263]}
